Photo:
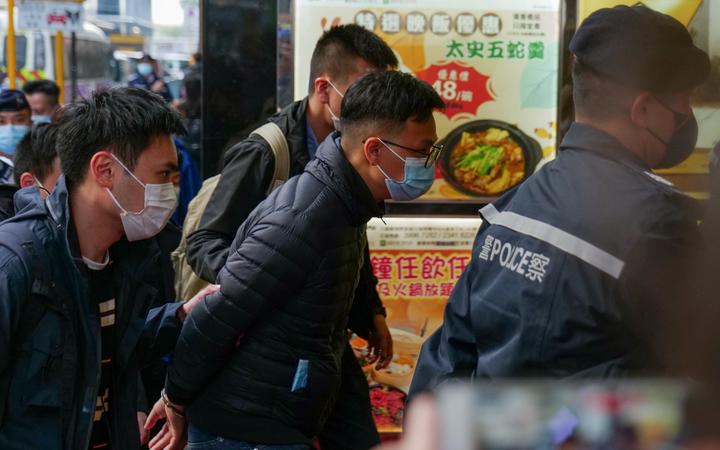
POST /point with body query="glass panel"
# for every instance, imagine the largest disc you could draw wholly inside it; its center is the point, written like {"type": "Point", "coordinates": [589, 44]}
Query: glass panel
{"type": "Point", "coordinates": [40, 51]}
{"type": "Point", "coordinates": [20, 51]}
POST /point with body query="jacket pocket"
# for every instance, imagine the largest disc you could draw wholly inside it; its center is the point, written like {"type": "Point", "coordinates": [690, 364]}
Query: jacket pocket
{"type": "Point", "coordinates": [42, 377]}
{"type": "Point", "coordinates": [43, 383]}
{"type": "Point", "coordinates": [315, 382]}
{"type": "Point", "coordinates": [313, 392]}
{"type": "Point", "coordinates": [301, 376]}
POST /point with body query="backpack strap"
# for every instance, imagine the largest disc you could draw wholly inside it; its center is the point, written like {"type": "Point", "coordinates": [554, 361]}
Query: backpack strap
{"type": "Point", "coordinates": [278, 143]}
{"type": "Point", "coordinates": [187, 283]}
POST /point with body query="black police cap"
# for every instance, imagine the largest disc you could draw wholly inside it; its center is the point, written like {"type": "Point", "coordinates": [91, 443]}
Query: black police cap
{"type": "Point", "coordinates": [640, 47]}
{"type": "Point", "coordinates": [13, 100]}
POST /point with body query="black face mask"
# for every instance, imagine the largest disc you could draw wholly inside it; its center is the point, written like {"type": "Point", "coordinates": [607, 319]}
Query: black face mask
{"type": "Point", "coordinates": [683, 140]}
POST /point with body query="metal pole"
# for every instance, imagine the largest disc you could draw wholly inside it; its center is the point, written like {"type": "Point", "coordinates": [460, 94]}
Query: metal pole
{"type": "Point", "coordinates": [11, 68]}
{"type": "Point", "coordinates": [60, 65]}
{"type": "Point", "coordinates": [73, 67]}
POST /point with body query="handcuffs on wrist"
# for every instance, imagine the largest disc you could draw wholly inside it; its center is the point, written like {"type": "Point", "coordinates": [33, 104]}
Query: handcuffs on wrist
{"type": "Point", "coordinates": [170, 405]}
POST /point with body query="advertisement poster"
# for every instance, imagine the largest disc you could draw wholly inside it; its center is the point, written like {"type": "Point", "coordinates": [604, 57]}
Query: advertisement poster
{"type": "Point", "coordinates": [417, 262]}
{"type": "Point", "coordinates": [494, 63]}
{"type": "Point", "coordinates": [35, 15]}
{"type": "Point", "coordinates": [702, 17]}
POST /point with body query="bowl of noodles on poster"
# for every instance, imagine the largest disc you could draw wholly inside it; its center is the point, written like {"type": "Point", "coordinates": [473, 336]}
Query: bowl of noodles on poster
{"type": "Point", "coordinates": [485, 158]}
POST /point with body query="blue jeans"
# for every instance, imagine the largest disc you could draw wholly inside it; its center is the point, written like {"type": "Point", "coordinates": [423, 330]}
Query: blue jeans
{"type": "Point", "coordinates": [200, 440]}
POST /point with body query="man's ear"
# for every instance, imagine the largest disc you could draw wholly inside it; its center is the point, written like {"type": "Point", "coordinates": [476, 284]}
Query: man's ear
{"type": "Point", "coordinates": [371, 148]}
{"type": "Point", "coordinates": [640, 110]}
{"type": "Point", "coordinates": [27, 179]}
{"type": "Point", "coordinates": [322, 88]}
{"type": "Point", "coordinates": [102, 168]}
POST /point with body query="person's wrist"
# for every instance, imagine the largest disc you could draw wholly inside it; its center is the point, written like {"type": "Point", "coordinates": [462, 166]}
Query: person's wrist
{"type": "Point", "coordinates": [174, 407]}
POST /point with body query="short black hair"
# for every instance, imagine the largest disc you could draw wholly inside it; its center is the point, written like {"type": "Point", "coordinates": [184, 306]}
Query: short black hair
{"type": "Point", "coordinates": [386, 100]}
{"type": "Point", "coordinates": [123, 120]}
{"type": "Point", "coordinates": [340, 45]}
{"type": "Point", "coordinates": [197, 56]}
{"type": "Point", "coordinates": [596, 95]}
{"type": "Point", "coordinates": [36, 152]}
{"type": "Point", "coordinates": [46, 87]}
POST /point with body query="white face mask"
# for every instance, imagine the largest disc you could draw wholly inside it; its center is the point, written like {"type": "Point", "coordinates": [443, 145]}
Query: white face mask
{"type": "Point", "coordinates": [335, 119]}
{"type": "Point", "coordinates": [160, 202]}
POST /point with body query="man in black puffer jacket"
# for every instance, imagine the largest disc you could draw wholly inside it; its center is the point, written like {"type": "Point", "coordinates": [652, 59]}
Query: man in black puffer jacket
{"type": "Point", "coordinates": [259, 362]}
{"type": "Point", "coordinates": [342, 55]}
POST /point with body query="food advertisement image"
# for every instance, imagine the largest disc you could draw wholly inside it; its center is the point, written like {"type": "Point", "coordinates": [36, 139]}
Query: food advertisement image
{"type": "Point", "coordinates": [417, 262]}
{"type": "Point", "coordinates": [494, 63]}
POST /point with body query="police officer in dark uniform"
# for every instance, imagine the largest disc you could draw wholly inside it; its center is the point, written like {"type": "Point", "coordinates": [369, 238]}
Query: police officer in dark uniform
{"type": "Point", "coordinates": [576, 272]}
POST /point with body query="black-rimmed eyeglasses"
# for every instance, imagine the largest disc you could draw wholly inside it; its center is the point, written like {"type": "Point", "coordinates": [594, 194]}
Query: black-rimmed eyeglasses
{"type": "Point", "coordinates": [431, 155]}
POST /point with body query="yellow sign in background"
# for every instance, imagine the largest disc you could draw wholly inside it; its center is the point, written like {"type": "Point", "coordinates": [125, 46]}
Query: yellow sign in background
{"type": "Point", "coordinates": [682, 10]}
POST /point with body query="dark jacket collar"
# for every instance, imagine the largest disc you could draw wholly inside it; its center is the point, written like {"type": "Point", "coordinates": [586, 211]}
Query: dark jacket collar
{"type": "Point", "coordinates": [585, 137]}
{"type": "Point", "coordinates": [332, 168]}
{"type": "Point", "coordinates": [58, 204]}
{"type": "Point", "coordinates": [26, 197]}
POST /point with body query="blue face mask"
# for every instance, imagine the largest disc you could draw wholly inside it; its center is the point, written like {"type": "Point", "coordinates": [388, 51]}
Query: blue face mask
{"type": "Point", "coordinates": [10, 135]}
{"type": "Point", "coordinates": [38, 119]}
{"type": "Point", "coordinates": [418, 178]}
{"type": "Point", "coordinates": [144, 69]}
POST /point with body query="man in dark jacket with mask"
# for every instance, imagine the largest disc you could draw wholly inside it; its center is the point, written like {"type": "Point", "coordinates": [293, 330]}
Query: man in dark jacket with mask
{"type": "Point", "coordinates": [575, 273]}
{"type": "Point", "coordinates": [14, 125]}
{"type": "Point", "coordinates": [78, 274]}
{"type": "Point", "coordinates": [341, 56]}
{"type": "Point", "coordinates": [149, 76]}
{"type": "Point", "coordinates": [259, 363]}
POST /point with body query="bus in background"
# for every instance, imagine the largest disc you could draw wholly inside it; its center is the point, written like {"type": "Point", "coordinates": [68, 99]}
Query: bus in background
{"type": "Point", "coordinates": [35, 57]}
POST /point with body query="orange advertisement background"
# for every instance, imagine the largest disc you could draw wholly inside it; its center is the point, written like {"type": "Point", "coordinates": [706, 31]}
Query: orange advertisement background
{"type": "Point", "coordinates": [414, 285]}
